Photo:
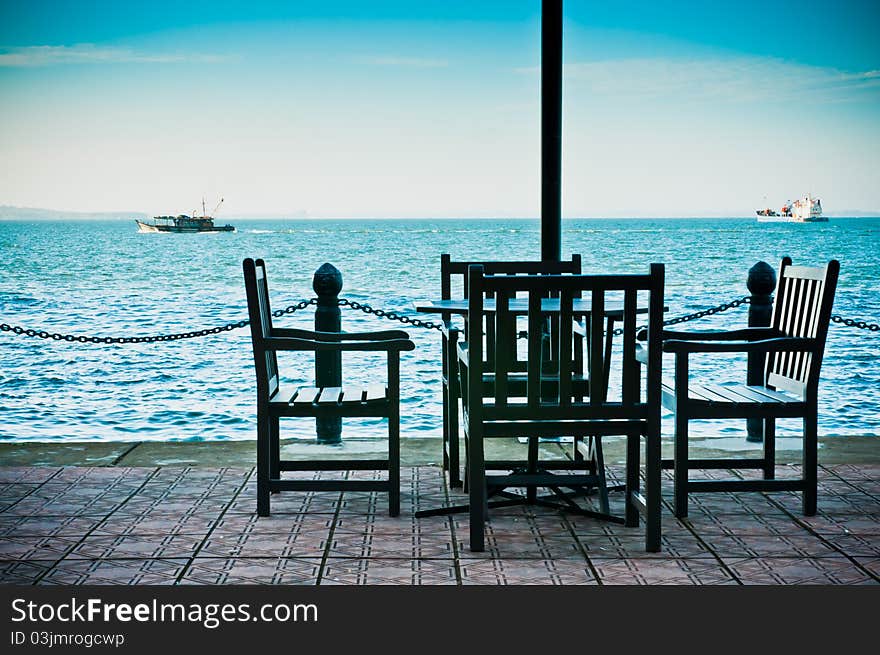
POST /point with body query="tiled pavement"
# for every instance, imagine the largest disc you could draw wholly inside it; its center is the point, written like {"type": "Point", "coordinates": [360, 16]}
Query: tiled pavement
{"type": "Point", "coordinates": [165, 525]}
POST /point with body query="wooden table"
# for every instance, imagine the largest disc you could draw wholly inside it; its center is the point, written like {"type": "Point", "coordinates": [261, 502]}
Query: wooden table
{"type": "Point", "coordinates": [581, 306]}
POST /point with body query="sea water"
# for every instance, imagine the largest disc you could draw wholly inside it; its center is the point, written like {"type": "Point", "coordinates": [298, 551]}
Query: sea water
{"type": "Point", "coordinates": [103, 278]}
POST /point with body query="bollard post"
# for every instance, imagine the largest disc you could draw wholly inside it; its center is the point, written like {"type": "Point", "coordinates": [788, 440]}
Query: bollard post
{"type": "Point", "coordinates": [761, 283]}
{"type": "Point", "coordinates": [327, 283]}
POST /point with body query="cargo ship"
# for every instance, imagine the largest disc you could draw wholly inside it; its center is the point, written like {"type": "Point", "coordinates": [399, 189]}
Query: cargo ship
{"type": "Point", "coordinates": [184, 223]}
{"type": "Point", "coordinates": [804, 210]}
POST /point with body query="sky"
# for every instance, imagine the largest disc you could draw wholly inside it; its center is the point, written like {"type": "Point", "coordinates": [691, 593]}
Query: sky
{"type": "Point", "coordinates": [431, 108]}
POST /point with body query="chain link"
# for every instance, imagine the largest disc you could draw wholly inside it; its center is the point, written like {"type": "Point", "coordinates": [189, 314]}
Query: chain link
{"type": "Point", "coordinates": [43, 334]}
{"type": "Point", "coordinates": [391, 316]}
{"type": "Point", "coordinates": [863, 325]}
{"type": "Point", "coordinates": [723, 307]}
{"type": "Point", "coordinates": [367, 309]}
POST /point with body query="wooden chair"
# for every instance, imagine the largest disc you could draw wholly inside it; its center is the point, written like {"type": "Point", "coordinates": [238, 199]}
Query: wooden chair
{"type": "Point", "coordinates": [794, 346]}
{"type": "Point", "coordinates": [557, 410]}
{"type": "Point", "coordinates": [453, 280]}
{"type": "Point", "coordinates": [276, 400]}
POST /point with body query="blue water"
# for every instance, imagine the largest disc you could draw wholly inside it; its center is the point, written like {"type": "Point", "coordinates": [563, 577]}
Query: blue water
{"type": "Point", "coordinates": [106, 279]}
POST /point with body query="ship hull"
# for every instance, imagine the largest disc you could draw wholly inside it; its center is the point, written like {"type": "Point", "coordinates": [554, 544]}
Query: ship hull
{"type": "Point", "coordinates": [792, 219]}
{"type": "Point", "coordinates": [151, 227]}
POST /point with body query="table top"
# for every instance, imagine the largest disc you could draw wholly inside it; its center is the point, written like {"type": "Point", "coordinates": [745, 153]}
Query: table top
{"type": "Point", "coordinates": [581, 306]}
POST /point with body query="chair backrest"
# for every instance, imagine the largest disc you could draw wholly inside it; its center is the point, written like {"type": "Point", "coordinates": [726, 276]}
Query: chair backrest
{"type": "Point", "coordinates": [802, 308]}
{"type": "Point", "coordinates": [260, 314]}
{"type": "Point", "coordinates": [453, 274]}
{"type": "Point", "coordinates": [453, 279]}
{"type": "Point", "coordinates": [561, 295]}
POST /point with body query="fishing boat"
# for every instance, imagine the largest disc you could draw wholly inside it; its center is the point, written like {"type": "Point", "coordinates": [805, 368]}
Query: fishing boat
{"type": "Point", "coordinates": [185, 223]}
{"type": "Point", "coordinates": [804, 210]}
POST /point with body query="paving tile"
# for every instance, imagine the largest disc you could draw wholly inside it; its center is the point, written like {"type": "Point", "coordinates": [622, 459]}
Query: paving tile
{"type": "Point", "coordinates": [768, 545]}
{"type": "Point", "coordinates": [14, 572]}
{"type": "Point", "coordinates": [376, 571]}
{"type": "Point", "coordinates": [854, 545]}
{"type": "Point", "coordinates": [168, 546]}
{"type": "Point", "coordinates": [174, 506]}
{"type": "Point", "coordinates": [25, 474]}
{"type": "Point", "coordinates": [296, 543]}
{"type": "Point", "coordinates": [199, 475]}
{"type": "Point", "coordinates": [524, 545]}
{"type": "Point", "coordinates": [289, 502]}
{"type": "Point", "coordinates": [797, 571]}
{"type": "Point", "coordinates": [866, 524]}
{"type": "Point", "coordinates": [155, 523]}
{"type": "Point", "coordinates": [855, 471]}
{"type": "Point", "coordinates": [36, 547]}
{"type": "Point", "coordinates": [656, 571]}
{"type": "Point", "coordinates": [68, 526]}
{"type": "Point", "coordinates": [837, 486]}
{"type": "Point", "coordinates": [252, 571]}
{"type": "Point", "coordinates": [751, 503]}
{"type": "Point", "coordinates": [853, 503]}
{"type": "Point", "coordinates": [632, 546]}
{"type": "Point", "coordinates": [385, 524]}
{"type": "Point", "coordinates": [390, 546]}
{"type": "Point", "coordinates": [871, 565]}
{"type": "Point", "coordinates": [105, 474]}
{"type": "Point", "coordinates": [115, 572]}
{"type": "Point", "coordinates": [741, 524]}
{"type": "Point", "coordinates": [511, 571]}
{"type": "Point", "coordinates": [13, 492]}
{"type": "Point", "coordinates": [231, 523]}
{"type": "Point", "coordinates": [34, 505]}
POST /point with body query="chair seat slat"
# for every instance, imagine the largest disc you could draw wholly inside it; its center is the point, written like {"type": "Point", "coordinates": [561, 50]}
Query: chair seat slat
{"type": "Point", "coordinates": [375, 392]}
{"type": "Point", "coordinates": [285, 394]}
{"type": "Point", "coordinates": [352, 394]}
{"type": "Point", "coordinates": [306, 396]}
{"type": "Point", "coordinates": [329, 395]}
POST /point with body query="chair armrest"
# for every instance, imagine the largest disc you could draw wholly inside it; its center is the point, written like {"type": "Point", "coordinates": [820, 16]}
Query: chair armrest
{"type": "Point", "coordinates": [745, 334]}
{"type": "Point", "coordinates": [785, 344]}
{"type": "Point", "coordinates": [448, 331]}
{"type": "Point", "coordinates": [462, 352]}
{"type": "Point", "coordinates": [289, 343]}
{"type": "Point", "coordinates": [295, 333]}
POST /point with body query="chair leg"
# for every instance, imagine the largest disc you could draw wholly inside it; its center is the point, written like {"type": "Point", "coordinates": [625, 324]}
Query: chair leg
{"type": "Point", "coordinates": [599, 459]}
{"type": "Point", "coordinates": [451, 415]}
{"type": "Point", "coordinates": [680, 465]}
{"type": "Point", "coordinates": [532, 467]}
{"type": "Point", "coordinates": [394, 460]}
{"type": "Point", "coordinates": [274, 448]}
{"type": "Point", "coordinates": [263, 462]}
{"type": "Point", "coordinates": [810, 463]}
{"type": "Point", "coordinates": [633, 446]}
{"type": "Point", "coordinates": [769, 448]}
{"type": "Point", "coordinates": [653, 470]}
{"type": "Point", "coordinates": [477, 494]}
{"type": "Point", "coordinates": [445, 425]}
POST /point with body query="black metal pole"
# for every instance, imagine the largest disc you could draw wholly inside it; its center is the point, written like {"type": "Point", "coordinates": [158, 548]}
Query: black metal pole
{"type": "Point", "coordinates": [761, 283]}
{"type": "Point", "coordinates": [551, 130]}
{"type": "Point", "coordinates": [327, 283]}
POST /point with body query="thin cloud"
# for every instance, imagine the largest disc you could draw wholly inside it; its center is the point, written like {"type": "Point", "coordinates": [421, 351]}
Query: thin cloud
{"type": "Point", "coordinates": [745, 79]}
{"type": "Point", "coordinates": [405, 62]}
{"type": "Point", "coordinates": [86, 53]}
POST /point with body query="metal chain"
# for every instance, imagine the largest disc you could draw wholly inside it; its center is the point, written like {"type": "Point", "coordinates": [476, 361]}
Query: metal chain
{"type": "Point", "coordinates": [723, 307]}
{"type": "Point", "coordinates": [863, 325]}
{"type": "Point", "coordinates": [391, 316]}
{"type": "Point", "coordinates": [367, 309]}
{"type": "Point", "coordinates": [43, 334]}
